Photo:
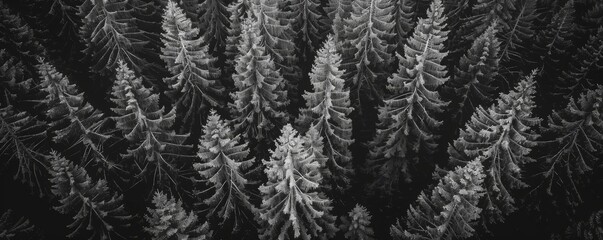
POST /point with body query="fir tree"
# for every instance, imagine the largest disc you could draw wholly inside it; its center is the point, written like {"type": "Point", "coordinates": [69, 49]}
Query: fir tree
{"type": "Point", "coordinates": [451, 211]}
{"type": "Point", "coordinates": [513, 41]}
{"type": "Point", "coordinates": [239, 11]}
{"type": "Point", "coordinates": [357, 227]}
{"type": "Point", "coordinates": [338, 11]}
{"type": "Point", "coordinates": [502, 135]}
{"type": "Point", "coordinates": [223, 160]}
{"type": "Point", "coordinates": [292, 208]}
{"type": "Point", "coordinates": [405, 20]}
{"type": "Point", "coordinates": [16, 84]}
{"type": "Point", "coordinates": [260, 99]}
{"type": "Point", "coordinates": [190, 9]}
{"type": "Point", "coordinates": [213, 23]}
{"type": "Point", "coordinates": [327, 110]}
{"type": "Point", "coordinates": [24, 147]}
{"type": "Point", "coordinates": [154, 148]}
{"type": "Point", "coordinates": [194, 85]}
{"type": "Point", "coordinates": [471, 85]}
{"type": "Point", "coordinates": [368, 52]}
{"type": "Point", "coordinates": [309, 21]}
{"type": "Point", "coordinates": [168, 220]}
{"type": "Point", "coordinates": [408, 126]}
{"type": "Point", "coordinates": [572, 143]}
{"type": "Point", "coordinates": [12, 227]}
{"type": "Point", "coordinates": [97, 212]}
{"type": "Point", "coordinates": [74, 121]}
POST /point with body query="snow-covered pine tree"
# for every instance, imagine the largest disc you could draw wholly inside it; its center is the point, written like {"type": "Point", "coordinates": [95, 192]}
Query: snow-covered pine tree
{"type": "Point", "coordinates": [75, 122]}
{"type": "Point", "coordinates": [194, 85]}
{"type": "Point", "coordinates": [24, 147]}
{"type": "Point", "coordinates": [309, 22]}
{"type": "Point", "coordinates": [167, 219]}
{"type": "Point", "coordinates": [278, 39]}
{"type": "Point", "coordinates": [292, 207]}
{"type": "Point", "coordinates": [154, 147]}
{"type": "Point", "coordinates": [213, 24]}
{"type": "Point", "coordinates": [15, 227]}
{"type": "Point", "coordinates": [405, 21]}
{"type": "Point", "coordinates": [367, 50]}
{"type": "Point", "coordinates": [503, 136]}
{"type": "Point", "coordinates": [327, 110]}
{"type": "Point", "coordinates": [572, 143]}
{"type": "Point", "coordinates": [110, 33]}
{"type": "Point", "coordinates": [259, 103]}
{"type": "Point", "coordinates": [239, 11]}
{"type": "Point", "coordinates": [451, 211]}
{"type": "Point", "coordinates": [408, 124]}
{"type": "Point", "coordinates": [471, 85]}
{"type": "Point", "coordinates": [582, 71]}
{"type": "Point", "coordinates": [357, 226]}
{"type": "Point", "coordinates": [223, 162]}
{"type": "Point", "coordinates": [338, 11]}
{"type": "Point", "coordinates": [97, 212]}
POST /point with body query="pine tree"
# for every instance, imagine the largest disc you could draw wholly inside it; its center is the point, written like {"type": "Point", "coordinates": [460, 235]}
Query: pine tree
{"type": "Point", "coordinates": [239, 11]}
{"type": "Point", "coordinates": [471, 85]}
{"type": "Point", "coordinates": [97, 212]}
{"type": "Point", "coordinates": [514, 41]}
{"type": "Point", "coordinates": [408, 126]}
{"type": "Point", "coordinates": [368, 51]}
{"type": "Point", "coordinates": [327, 110]}
{"type": "Point", "coordinates": [260, 99]}
{"type": "Point", "coordinates": [223, 161]}
{"type": "Point", "coordinates": [313, 144]}
{"type": "Point", "coordinates": [24, 147]}
{"type": "Point", "coordinates": [154, 148]}
{"type": "Point", "coordinates": [357, 227]}
{"type": "Point", "coordinates": [169, 220]}
{"type": "Point", "coordinates": [75, 122]}
{"type": "Point", "coordinates": [12, 227]}
{"type": "Point", "coordinates": [451, 211]}
{"type": "Point", "coordinates": [583, 69]}
{"type": "Point", "coordinates": [338, 11]}
{"type": "Point", "coordinates": [278, 39]}
{"type": "Point", "coordinates": [213, 24]}
{"type": "Point", "coordinates": [194, 85]}
{"type": "Point", "coordinates": [110, 33]}
{"type": "Point", "coordinates": [405, 20]}
{"type": "Point", "coordinates": [309, 22]}
{"type": "Point", "coordinates": [502, 135]}
{"type": "Point", "coordinates": [292, 208]}
{"type": "Point", "coordinates": [572, 145]}
{"type": "Point", "coordinates": [15, 82]}
{"type": "Point", "coordinates": [190, 9]}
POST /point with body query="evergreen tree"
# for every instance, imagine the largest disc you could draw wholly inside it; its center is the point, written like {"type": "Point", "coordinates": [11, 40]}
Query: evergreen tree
{"type": "Point", "coordinates": [261, 97]}
{"type": "Point", "coordinates": [169, 220]}
{"type": "Point", "coordinates": [450, 211]}
{"type": "Point", "coordinates": [582, 72]}
{"type": "Point", "coordinates": [408, 127]}
{"type": "Point", "coordinates": [368, 51]}
{"type": "Point", "coordinates": [213, 23]}
{"type": "Point", "coordinates": [405, 20]}
{"type": "Point", "coordinates": [338, 11]}
{"type": "Point", "coordinates": [587, 229]}
{"type": "Point", "coordinates": [309, 22]}
{"type": "Point", "coordinates": [278, 39]}
{"type": "Point", "coordinates": [471, 85]}
{"type": "Point", "coordinates": [16, 84]}
{"type": "Point", "coordinates": [24, 147]}
{"type": "Point", "coordinates": [572, 146]}
{"type": "Point", "coordinates": [327, 110]}
{"type": "Point", "coordinates": [12, 227]}
{"type": "Point", "coordinates": [110, 33]}
{"type": "Point", "coordinates": [190, 9]}
{"type": "Point", "coordinates": [154, 148]}
{"type": "Point", "coordinates": [97, 212]}
{"type": "Point", "coordinates": [223, 160]}
{"type": "Point", "coordinates": [503, 137]}
{"type": "Point", "coordinates": [514, 40]}
{"type": "Point", "coordinates": [292, 208]}
{"type": "Point", "coordinates": [74, 121]}
{"type": "Point", "coordinates": [194, 85]}
{"type": "Point", "coordinates": [239, 11]}
{"type": "Point", "coordinates": [357, 227]}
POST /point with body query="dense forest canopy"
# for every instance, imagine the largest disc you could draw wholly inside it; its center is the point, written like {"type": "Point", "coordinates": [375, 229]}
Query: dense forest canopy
{"type": "Point", "coordinates": [301, 119]}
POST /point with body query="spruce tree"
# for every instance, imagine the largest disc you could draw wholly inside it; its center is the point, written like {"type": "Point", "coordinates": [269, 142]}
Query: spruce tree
{"type": "Point", "coordinates": [357, 225]}
{"type": "Point", "coordinates": [75, 122]}
{"type": "Point", "coordinates": [405, 20]}
{"type": "Point", "coordinates": [167, 219]}
{"type": "Point", "coordinates": [97, 212]}
{"type": "Point", "coordinates": [292, 208]}
{"type": "Point", "coordinates": [309, 22]}
{"type": "Point", "coordinates": [367, 50]}
{"type": "Point", "coordinates": [408, 123]}
{"type": "Point", "coordinates": [471, 85]}
{"type": "Point", "coordinates": [213, 23]}
{"type": "Point", "coordinates": [503, 136]}
{"type": "Point", "coordinates": [15, 82]}
{"type": "Point", "coordinates": [194, 85]}
{"type": "Point", "coordinates": [451, 211]}
{"type": "Point", "coordinates": [154, 148]}
{"type": "Point", "coordinates": [239, 11]}
{"type": "Point", "coordinates": [223, 162]}
{"type": "Point", "coordinates": [259, 103]}
{"type": "Point", "coordinates": [327, 110]}
{"type": "Point", "coordinates": [338, 11]}
{"type": "Point", "coordinates": [514, 40]}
